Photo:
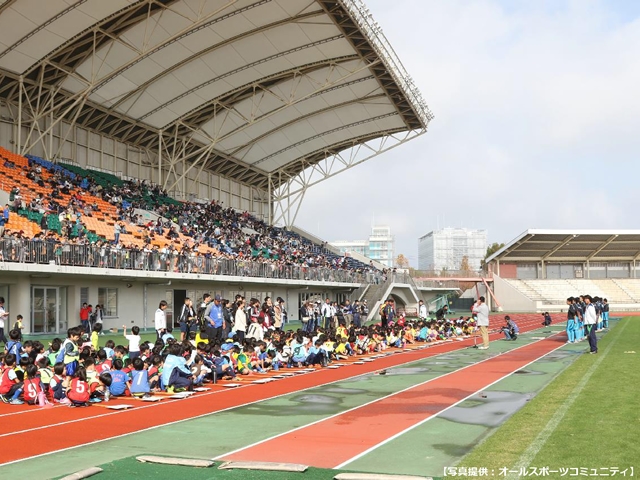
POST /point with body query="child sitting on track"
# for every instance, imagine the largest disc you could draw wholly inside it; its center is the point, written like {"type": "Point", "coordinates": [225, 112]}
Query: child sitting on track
{"type": "Point", "coordinates": [139, 378]}
{"type": "Point", "coordinates": [33, 391]}
{"type": "Point", "coordinates": [77, 388]}
{"type": "Point", "coordinates": [10, 383]}
{"type": "Point", "coordinates": [176, 375]}
{"type": "Point", "coordinates": [119, 380]}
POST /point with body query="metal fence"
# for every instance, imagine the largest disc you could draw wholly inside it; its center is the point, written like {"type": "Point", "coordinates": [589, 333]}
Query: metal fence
{"type": "Point", "coordinates": [49, 253]}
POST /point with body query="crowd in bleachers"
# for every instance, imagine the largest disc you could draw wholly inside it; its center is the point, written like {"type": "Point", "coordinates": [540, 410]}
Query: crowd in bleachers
{"type": "Point", "coordinates": [71, 216]}
{"type": "Point", "coordinates": [219, 340]}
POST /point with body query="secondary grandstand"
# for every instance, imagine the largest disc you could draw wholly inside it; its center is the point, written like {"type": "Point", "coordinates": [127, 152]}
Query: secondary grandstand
{"type": "Point", "coordinates": [189, 131]}
{"type": "Point", "coordinates": [540, 269]}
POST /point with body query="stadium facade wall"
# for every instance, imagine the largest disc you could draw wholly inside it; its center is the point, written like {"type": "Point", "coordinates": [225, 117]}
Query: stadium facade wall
{"type": "Point", "coordinates": [92, 150]}
{"type": "Point", "coordinates": [136, 294]}
{"type": "Point", "coordinates": [565, 270]}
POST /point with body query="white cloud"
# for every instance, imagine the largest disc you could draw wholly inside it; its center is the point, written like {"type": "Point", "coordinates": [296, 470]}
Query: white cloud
{"type": "Point", "coordinates": [536, 123]}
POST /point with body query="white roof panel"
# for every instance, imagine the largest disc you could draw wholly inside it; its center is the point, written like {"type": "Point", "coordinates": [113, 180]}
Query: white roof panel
{"type": "Point", "coordinates": [270, 81]}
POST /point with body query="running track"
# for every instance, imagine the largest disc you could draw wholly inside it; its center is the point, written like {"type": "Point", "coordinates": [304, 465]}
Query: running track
{"type": "Point", "coordinates": [340, 439]}
{"type": "Point", "coordinates": [30, 430]}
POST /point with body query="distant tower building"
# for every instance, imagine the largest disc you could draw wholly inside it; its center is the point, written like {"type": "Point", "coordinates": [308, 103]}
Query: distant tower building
{"type": "Point", "coordinates": [445, 248]}
{"type": "Point", "coordinates": [348, 246]}
{"type": "Point", "coordinates": [379, 247]}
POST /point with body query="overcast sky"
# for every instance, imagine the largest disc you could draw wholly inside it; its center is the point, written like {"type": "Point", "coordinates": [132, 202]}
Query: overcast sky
{"type": "Point", "coordinates": [537, 123]}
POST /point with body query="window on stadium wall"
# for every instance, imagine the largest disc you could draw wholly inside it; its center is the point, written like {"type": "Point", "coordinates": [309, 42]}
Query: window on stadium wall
{"type": "Point", "coordinates": [84, 295]}
{"type": "Point", "coordinates": [197, 295]}
{"type": "Point", "coordinates": [564, 270]}
{"type": "Point", "coordinates": [108, 297]}
{"type": "Point", "coordinates": [168, 297]}
{"type": "Point", "coordinates": [527, 271]}
{"type": "Point", "coordinates": [619, 270]}
{"type": "Point", "coordinates": [310, 297]}
{"type": "Point", "coordinates": [598, 270]}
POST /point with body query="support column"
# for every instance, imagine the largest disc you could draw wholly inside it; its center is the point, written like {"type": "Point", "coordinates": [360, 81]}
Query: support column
{"type": "Point", "coordinates": [270, 200]}
{"type": "Point", "coordinates": [49, 154]}
{"type": "Point", "coordinates": [588, 270]}
{"type": "Point", "coordinates": [19, 141]}
{"type": "Point", "coordinates": [20, 302]}
{"type": "Point", "coordinates": [160, 157]}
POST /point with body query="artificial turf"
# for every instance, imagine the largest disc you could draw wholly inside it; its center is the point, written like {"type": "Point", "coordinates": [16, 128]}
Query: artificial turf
{"type": "Point", "coordinates": [599, 429]}
{"type": "Point", "coordinates": [131, 468]}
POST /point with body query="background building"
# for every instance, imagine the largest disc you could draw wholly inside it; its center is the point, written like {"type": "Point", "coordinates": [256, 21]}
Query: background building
{"type": "Point", "coordinates": [379, 246]}
{"type": "Point", "coordinates": [445, 248]}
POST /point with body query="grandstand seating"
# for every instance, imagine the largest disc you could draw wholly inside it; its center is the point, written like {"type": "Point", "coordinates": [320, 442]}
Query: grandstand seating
{"type": "Point", "coordinates": [556, 291]}
{"type": "Point", "coordinates": [100, 224]}
{"type": "Point", "coordinates": [630, 286]}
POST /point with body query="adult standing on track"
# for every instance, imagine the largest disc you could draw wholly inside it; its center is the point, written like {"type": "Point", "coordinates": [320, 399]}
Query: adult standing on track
{"type": "Point", "coordinates": [482, 313]}
{"type": "Point", "coordinates": [422, 311]}
{"type": "Point", "coordinates": [85, 311]}
{"type": "Point", "coordinates": [241, 319]}
{"type": "Point", "coordinates": [325, 310]}
{"type": "Point", "coordinates": [4, 316]}
{"type": "Point", "coordinates": [214, 319]}
{"type": "Point", "coordinates": [186, 319]}
{"type": "Point", "coordinates": [160, 320]}
{"type": "Point", "coordinates": [590, 320]}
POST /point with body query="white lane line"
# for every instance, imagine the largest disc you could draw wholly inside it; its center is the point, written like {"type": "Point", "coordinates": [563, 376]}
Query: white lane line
{"type": "Point", "coordinates": [462, 346]}
{"type": "Point", "coordinates": [373, 401]}
{"type": "Point", "coordinates": [369, 450]}
{"type": "Point", "coordinates": [211, 413]}
{"type": "Point", "coordinates": [530, 453]}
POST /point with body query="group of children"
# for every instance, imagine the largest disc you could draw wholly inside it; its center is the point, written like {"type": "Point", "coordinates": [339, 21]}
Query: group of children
{"type": "Point", "coordinates": [73, 371]}
{"type": "Point", "coordinates": [77, 371]}
{"type": "Point", "coordinates": [577, 329]}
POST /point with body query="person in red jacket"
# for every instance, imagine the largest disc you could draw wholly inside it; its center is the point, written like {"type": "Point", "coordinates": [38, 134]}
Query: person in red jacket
{"type": "Point", "coordinates": [85, 311]}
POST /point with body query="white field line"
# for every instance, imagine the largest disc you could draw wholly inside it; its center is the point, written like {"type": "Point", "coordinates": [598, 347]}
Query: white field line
{"type": "Point", "coordinates": [205, 414]}
{"type": "Point", "coordinates": [530, 453]}
{"type": "Point", "coordinates": [463, 344]}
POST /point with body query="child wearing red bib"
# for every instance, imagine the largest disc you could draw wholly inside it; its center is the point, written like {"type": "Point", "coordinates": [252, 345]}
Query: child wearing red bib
{"type": "Point", "coordinates": [78, 390]}
{"type": "Point", "coordinates": [32, 387]}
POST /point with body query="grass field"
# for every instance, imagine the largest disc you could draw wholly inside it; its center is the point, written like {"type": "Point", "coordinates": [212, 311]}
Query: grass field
{"type": "Point", "coordinates": [586, 418]}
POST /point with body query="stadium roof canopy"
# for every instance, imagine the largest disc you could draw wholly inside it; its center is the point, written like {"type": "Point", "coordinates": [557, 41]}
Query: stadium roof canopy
{"type": "Point", "coordinates": [571, 246]}
{"type": "Point", "coordinates": [258, 90]}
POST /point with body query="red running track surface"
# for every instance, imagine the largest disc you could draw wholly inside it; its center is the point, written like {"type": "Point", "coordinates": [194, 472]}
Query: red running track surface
{"type": "Point", "coordinates": [30, 430]}
{"type": "Point", "coordinates": [343, 437]}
